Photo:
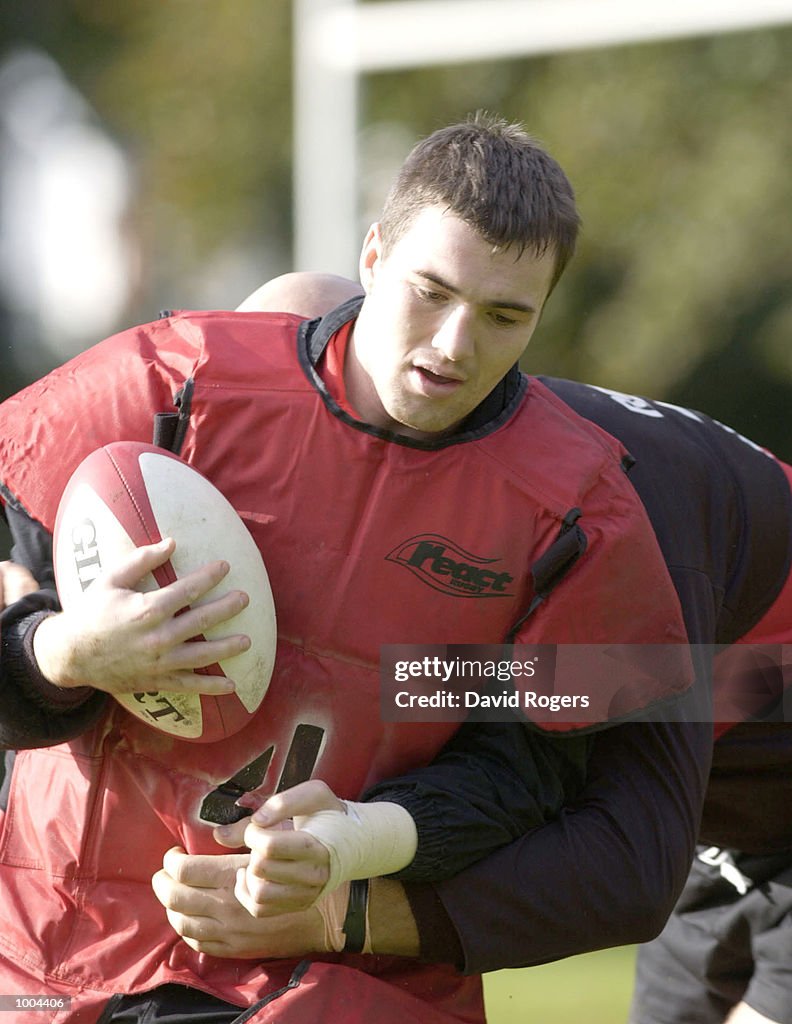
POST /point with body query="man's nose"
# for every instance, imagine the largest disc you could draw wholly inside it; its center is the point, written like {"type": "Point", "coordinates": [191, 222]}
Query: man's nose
{"type": "Point", "coordinates": [454, 338]}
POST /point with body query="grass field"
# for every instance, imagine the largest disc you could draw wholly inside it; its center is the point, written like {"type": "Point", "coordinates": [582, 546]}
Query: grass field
{"type": "Point", "coordinates": [594, 988]}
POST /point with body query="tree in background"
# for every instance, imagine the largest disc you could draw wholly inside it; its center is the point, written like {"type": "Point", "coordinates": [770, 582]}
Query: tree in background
{"type": "Point", "coordinates": [682, 287]}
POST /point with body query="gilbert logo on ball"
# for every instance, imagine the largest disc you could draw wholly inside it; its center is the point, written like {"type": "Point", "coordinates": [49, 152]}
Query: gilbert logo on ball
{"type": "Point", "coordinates": [128, 494]}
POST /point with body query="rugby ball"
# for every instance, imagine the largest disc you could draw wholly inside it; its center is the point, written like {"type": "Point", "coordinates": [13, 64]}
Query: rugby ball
{"type": "Point", "coordinates": [128, 494]}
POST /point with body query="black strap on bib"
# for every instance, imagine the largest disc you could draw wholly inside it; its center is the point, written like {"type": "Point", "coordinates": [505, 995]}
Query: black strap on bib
{"type": "Point", "coordinates": [548, 570]}
{"type": "Point", "coordinates": [170, 428]}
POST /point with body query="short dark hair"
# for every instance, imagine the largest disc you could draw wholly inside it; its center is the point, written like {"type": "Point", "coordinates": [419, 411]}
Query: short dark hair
{"type": "Point", "coordinates": [497, 178]}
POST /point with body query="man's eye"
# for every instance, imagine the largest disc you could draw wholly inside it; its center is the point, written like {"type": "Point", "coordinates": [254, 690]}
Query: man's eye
{"type": "Point", "coordinates": [427, 295]}
{"type": "Point", "coordinates": [502, 320]}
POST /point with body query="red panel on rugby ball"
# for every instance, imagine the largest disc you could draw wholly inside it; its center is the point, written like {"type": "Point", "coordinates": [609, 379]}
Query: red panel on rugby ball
{"type": "Point", "coordinates": [127, 494]}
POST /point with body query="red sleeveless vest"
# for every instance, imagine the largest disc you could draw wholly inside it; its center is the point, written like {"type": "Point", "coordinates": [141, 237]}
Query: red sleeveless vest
{"type": "Point", "coordinates": [330, 507]}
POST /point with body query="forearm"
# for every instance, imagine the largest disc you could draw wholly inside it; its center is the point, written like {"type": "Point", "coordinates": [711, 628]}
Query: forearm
{"type": "Point", "coordinates": [492, 784]}
{"type": "Point", "coordinates": [392, 925]}
{"type": "Point", "coordinates": [604, 872]}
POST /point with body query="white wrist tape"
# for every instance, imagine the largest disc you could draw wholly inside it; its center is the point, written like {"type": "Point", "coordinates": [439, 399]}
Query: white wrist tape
{"type": "Point", "coordinates": [369, 840]}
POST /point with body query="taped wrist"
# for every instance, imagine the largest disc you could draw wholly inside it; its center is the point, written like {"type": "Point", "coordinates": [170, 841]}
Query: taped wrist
{"type": "Point", "coordinates": [367, 841]}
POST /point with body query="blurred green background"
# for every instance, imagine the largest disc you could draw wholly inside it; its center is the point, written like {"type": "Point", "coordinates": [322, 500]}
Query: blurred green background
{"type": "Point", "coordinates": [679, 152]}
{"type": "Point", "coordinates": [594, 988]}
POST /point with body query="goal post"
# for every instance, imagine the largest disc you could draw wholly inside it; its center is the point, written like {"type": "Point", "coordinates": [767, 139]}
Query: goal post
{"type": "Point", "coordinates": [336, 42]}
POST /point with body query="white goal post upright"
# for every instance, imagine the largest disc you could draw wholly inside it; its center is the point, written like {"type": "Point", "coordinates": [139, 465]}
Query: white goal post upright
{"type": "Point", "coordinates": [338, 41]}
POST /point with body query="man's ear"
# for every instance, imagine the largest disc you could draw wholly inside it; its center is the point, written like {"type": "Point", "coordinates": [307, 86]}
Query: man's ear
{"type": "Point", "coordinates": [370, 256]}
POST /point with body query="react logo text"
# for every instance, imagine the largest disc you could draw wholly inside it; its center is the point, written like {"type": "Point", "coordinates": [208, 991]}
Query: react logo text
{"type": "Point", "coordinates": [450, 569]}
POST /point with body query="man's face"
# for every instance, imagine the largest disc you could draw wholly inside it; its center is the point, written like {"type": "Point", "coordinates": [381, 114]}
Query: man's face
{"type": "Point", "coordinates": [443, 320]}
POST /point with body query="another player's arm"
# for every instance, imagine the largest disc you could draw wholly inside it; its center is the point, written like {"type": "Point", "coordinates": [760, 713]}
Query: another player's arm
{"type": "Point", "coordinates": [492, 785]}
{"type": "Point", "coordinates": [605, 872]}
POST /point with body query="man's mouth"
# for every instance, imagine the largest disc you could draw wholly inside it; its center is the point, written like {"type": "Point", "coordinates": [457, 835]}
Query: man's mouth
{"type": "Point", "coordinates": [432, 383]}
{"type": "Point", "coordinates": [437, 377]}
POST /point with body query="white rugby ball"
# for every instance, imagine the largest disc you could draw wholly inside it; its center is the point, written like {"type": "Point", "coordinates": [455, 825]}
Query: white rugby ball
{"type": "Point", "coordinates": [128, 494]}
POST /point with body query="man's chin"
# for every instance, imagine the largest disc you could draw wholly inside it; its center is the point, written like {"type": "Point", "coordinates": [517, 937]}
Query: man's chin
{"type": "Point", "coordinates": [425, 428]}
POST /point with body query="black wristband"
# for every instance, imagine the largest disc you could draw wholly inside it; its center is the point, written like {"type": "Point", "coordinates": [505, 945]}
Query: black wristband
{"type": "Point", "coordinates": [354, 926]}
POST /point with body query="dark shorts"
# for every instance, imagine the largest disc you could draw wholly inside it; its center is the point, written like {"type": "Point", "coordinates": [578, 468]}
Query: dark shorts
{"type": "Point", "coordinates": [176, 1004]}
{"type": "Point", "coordinates": [728, 940]}
{"type": "Point", "coordinates": [170, 1004]}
